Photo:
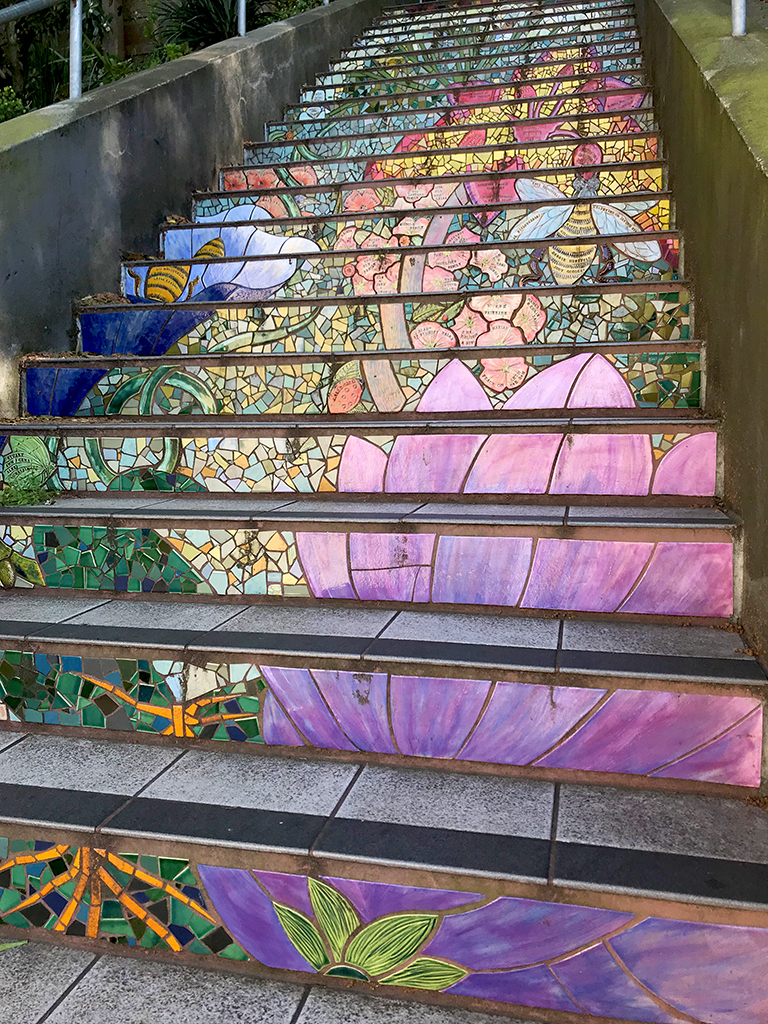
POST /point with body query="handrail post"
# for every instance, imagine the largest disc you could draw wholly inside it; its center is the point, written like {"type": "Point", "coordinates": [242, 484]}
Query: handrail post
{"type": "Point", "coordinates": [241, 17]}
{"type": "Point", "coordinates": [75, 49]}
{"type": "Point", "coordinates": [739, 17]}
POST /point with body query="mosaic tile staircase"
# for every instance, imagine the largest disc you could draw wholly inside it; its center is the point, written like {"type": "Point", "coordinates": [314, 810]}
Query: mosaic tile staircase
{"type": "Point", "coordinates": [473, 607]}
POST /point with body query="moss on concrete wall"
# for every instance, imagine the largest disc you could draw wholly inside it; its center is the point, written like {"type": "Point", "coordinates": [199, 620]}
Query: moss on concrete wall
{"type": "Point", "coordinates": [712, 97]}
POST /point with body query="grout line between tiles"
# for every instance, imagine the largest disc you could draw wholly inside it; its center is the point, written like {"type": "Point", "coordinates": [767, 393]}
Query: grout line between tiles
{"type": "Point", "coordinates": [553, 835]}
{"type": "Point", "coordinates": [68, 989]}
{"type": "Point", "coordinates": [300, 1005]}
{"type": "Point", "coordinates": [133, 796]}
{"type": "Point", "coordinates": [329, 820]}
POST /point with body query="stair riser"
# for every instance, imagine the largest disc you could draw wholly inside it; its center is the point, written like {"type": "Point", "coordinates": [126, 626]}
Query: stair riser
{"type": "Point", "coordinates": [488, 157]}
{"type": "Point", "coordinates": [440, 14]}
{"type": "Point", "coordinates": [228, 898]}
{"type": "Point", "coordinates": [368, 266]}
{"type": "Point", "coordinates": [303, 196]}
{"type": "Point", "coordinates": [445, 136]}
{"type": "Point", "coordinates": [441, 95]}
{"type": "Point", "coordinates": [492, 24]}
{"type": "Point", "coordinates": [350, 83]}
{"type": "Point", "coordinates": [655, 379]}
{"type": "Point", "coordinates": [479, 40]}
{"type": "Point", "coordinates": [649, 573]}
{"type": "Point", "coordinates": [409, 120]}
{"type": "Point", "coordinates": [480, 723]}
{"type": "Point", "coordinates": [632, 314]}
{"type": "Point", "coordinates": [608, 42]}
{"type": "Point", "coordinates": [183, 241]}
{"type": "Point", "coordinates": [275, 461]}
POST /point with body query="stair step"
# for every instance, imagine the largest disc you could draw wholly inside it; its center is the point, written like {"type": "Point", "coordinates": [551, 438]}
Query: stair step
{"type": "Point", "coordinates": [484, 866]}
{"type": "Point", "coordinates": [628, 703]}
{"type": "Point", "coordinates": [500, 18]}
{"type": "Point", "coordinates": [608, 42]}
{"type": "Point", "coordinates": [321, 384]}
{"type": "Point", "coordinates": [589, 125]}
{"type": "Point", "coordinates": [302, 123]}
{"type": "Point", "coordinates": [295, 268]}
{"type": "Point", "coordinates": [295, 188]}
{"type": "Point", "coordinates": [652, 562]}
{"type": "Point", "coordinates": [409, 13]}
{"type": "Point", "coordinates": [458, 93]}
{"type": "Point", "coordinates": [219, 215]}
{"type": "Point", "coordinates": [352, 83]}
{"type": "Point", "coordinates": [524, 34]}
{"type": "Point", "coordinates": [643, 455]}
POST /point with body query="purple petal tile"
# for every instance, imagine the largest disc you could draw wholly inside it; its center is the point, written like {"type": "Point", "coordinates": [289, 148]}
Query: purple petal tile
{"type": "Point", "coordinates": [390, 550]}
{"type": "Point", "coordinates": [536, 986]}
{"type": "Point", "coordinates": [688, 468]}
{"type": "Point", "coordinates": [604, 464]}
{"type": "Point", "coordinates": [711, 972]}
{"type": "Point", "coordinates": [362, 466]}
{"type": "Point", "coordinates": [249, 915]}
{"type": "Point", "coordinates": [734, 759]}
{"type": "Point", "coordinates": [374, 899]}
{"type": "Point", "coordinates": [404, 584]}
{"type": "Point", "coordinates": [550, 388]}
{"type": "Point", "coordinates": [295, 689]}
{"type": "Point", "coordinates": [686, 579]}
{"type": "Point", "coordinates": [584, 575]}
{"type": "Point", "coordinates": [288, 889]}
{"type": "Point", "coordinates": [358, 700]}
{"type": "Point", "coordinates": [600, 386]}
{"type": "Point", "coordinates": [277, 727]}
{"type": "Point", "coordinates": [481, 570]}
{"type": "Point", "coordinates": [435, 464]}
{"type": "Point", "coordinates": [512, 932]}
{"type": "Point", "coordinates": [433, 717]}
{"type": "Point", "coordinates": [514, 464]}
{"type": "Point", "coordinates": [455, 389]}
{"type": "Point", "coordinates": [636, 731]}
{"type": "Point", "coordinates": [323, 558]}
{"type": "Point", "coordinates": [599, 985]}
{"type": "Point", "coordinates": [522, 721]}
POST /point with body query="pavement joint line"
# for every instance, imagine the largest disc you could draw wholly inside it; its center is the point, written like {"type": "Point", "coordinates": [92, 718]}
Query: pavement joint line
{"type": "Point", "coordinates": [129, 800]}
{"type": "Point", "coordinates": [301, 1004]}
{"type": "Point", "coordinates": [559, 648]}
{"type": "Point", "coordinates": [55, 1005]}
{"type": "Point", "coordinates": [330, 819]}
{"type": "Point", "coordinates": [553, 835]}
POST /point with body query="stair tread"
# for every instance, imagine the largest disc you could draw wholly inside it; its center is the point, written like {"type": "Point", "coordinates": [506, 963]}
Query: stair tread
{"type": "Point", "coordinates": [598, 647]}
{"type": "Point", "coordinates": [179, 509]}
{"type": "Point", "coordinates": [706, 849]}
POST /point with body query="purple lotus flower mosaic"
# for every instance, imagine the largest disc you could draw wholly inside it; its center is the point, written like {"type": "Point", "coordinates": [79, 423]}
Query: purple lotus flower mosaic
{"type": "Point", "coordinates": [532, 463]}
{"type": "Point", "coordinates": [638, 732]}
{"type": "Point", "coordinates": [550, 955]}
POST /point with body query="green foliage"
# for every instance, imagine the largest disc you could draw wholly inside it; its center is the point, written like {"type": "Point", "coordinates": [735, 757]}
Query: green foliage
{"type": "Point", "coordinates": [198, 23]}
{"type": "Point", "coordinates": [14, 494]}
{"type": "Point", "coordinates": [10, 104]}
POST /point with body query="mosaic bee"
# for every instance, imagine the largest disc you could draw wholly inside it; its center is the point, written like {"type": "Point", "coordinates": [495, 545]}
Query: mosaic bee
{"type": "Point", "coordinates": [165, 283]}
{"type": "Point", "coordinates": [569, 263]}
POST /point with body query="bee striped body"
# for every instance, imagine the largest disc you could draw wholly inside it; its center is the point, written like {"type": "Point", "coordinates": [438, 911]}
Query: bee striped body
{"type": "Point", "coordinates": [569, 263]}
{"type": "Point", "coordinates": [167, 284]}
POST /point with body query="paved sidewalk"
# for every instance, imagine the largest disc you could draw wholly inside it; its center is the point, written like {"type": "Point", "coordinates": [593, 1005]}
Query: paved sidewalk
{"type": "Point", "coordinates": [41, 984]}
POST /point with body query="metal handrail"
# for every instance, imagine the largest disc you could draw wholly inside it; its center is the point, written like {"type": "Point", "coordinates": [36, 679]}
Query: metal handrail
{"type": "Point", "coordinates": [20, 10]}
{"type": "Point", "coordinates": [738, 17]}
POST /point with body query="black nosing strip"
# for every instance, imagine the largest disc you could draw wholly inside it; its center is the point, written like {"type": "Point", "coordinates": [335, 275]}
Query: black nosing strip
{"type": "Point", "coordinates": [350, 786]}
{"type": "Point", "coordinates": [441, 848]}
{"type": "Point", "coordinates": [282, 643]}
{"type": "Point", "coordinates": [662, 665]}
{"type": "Point", "coordinates": [463, 653]}
{"type": "Point", "coordinates": [652, 871]}
{"type": "Point", "coordinates": [58, 1001]}
{"type": "Point", "coordinates": [138, 793]}
{"type": "Point", "coordinates": [61, 808]}
{"type": "Point", "coordinates": [181, 820]}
